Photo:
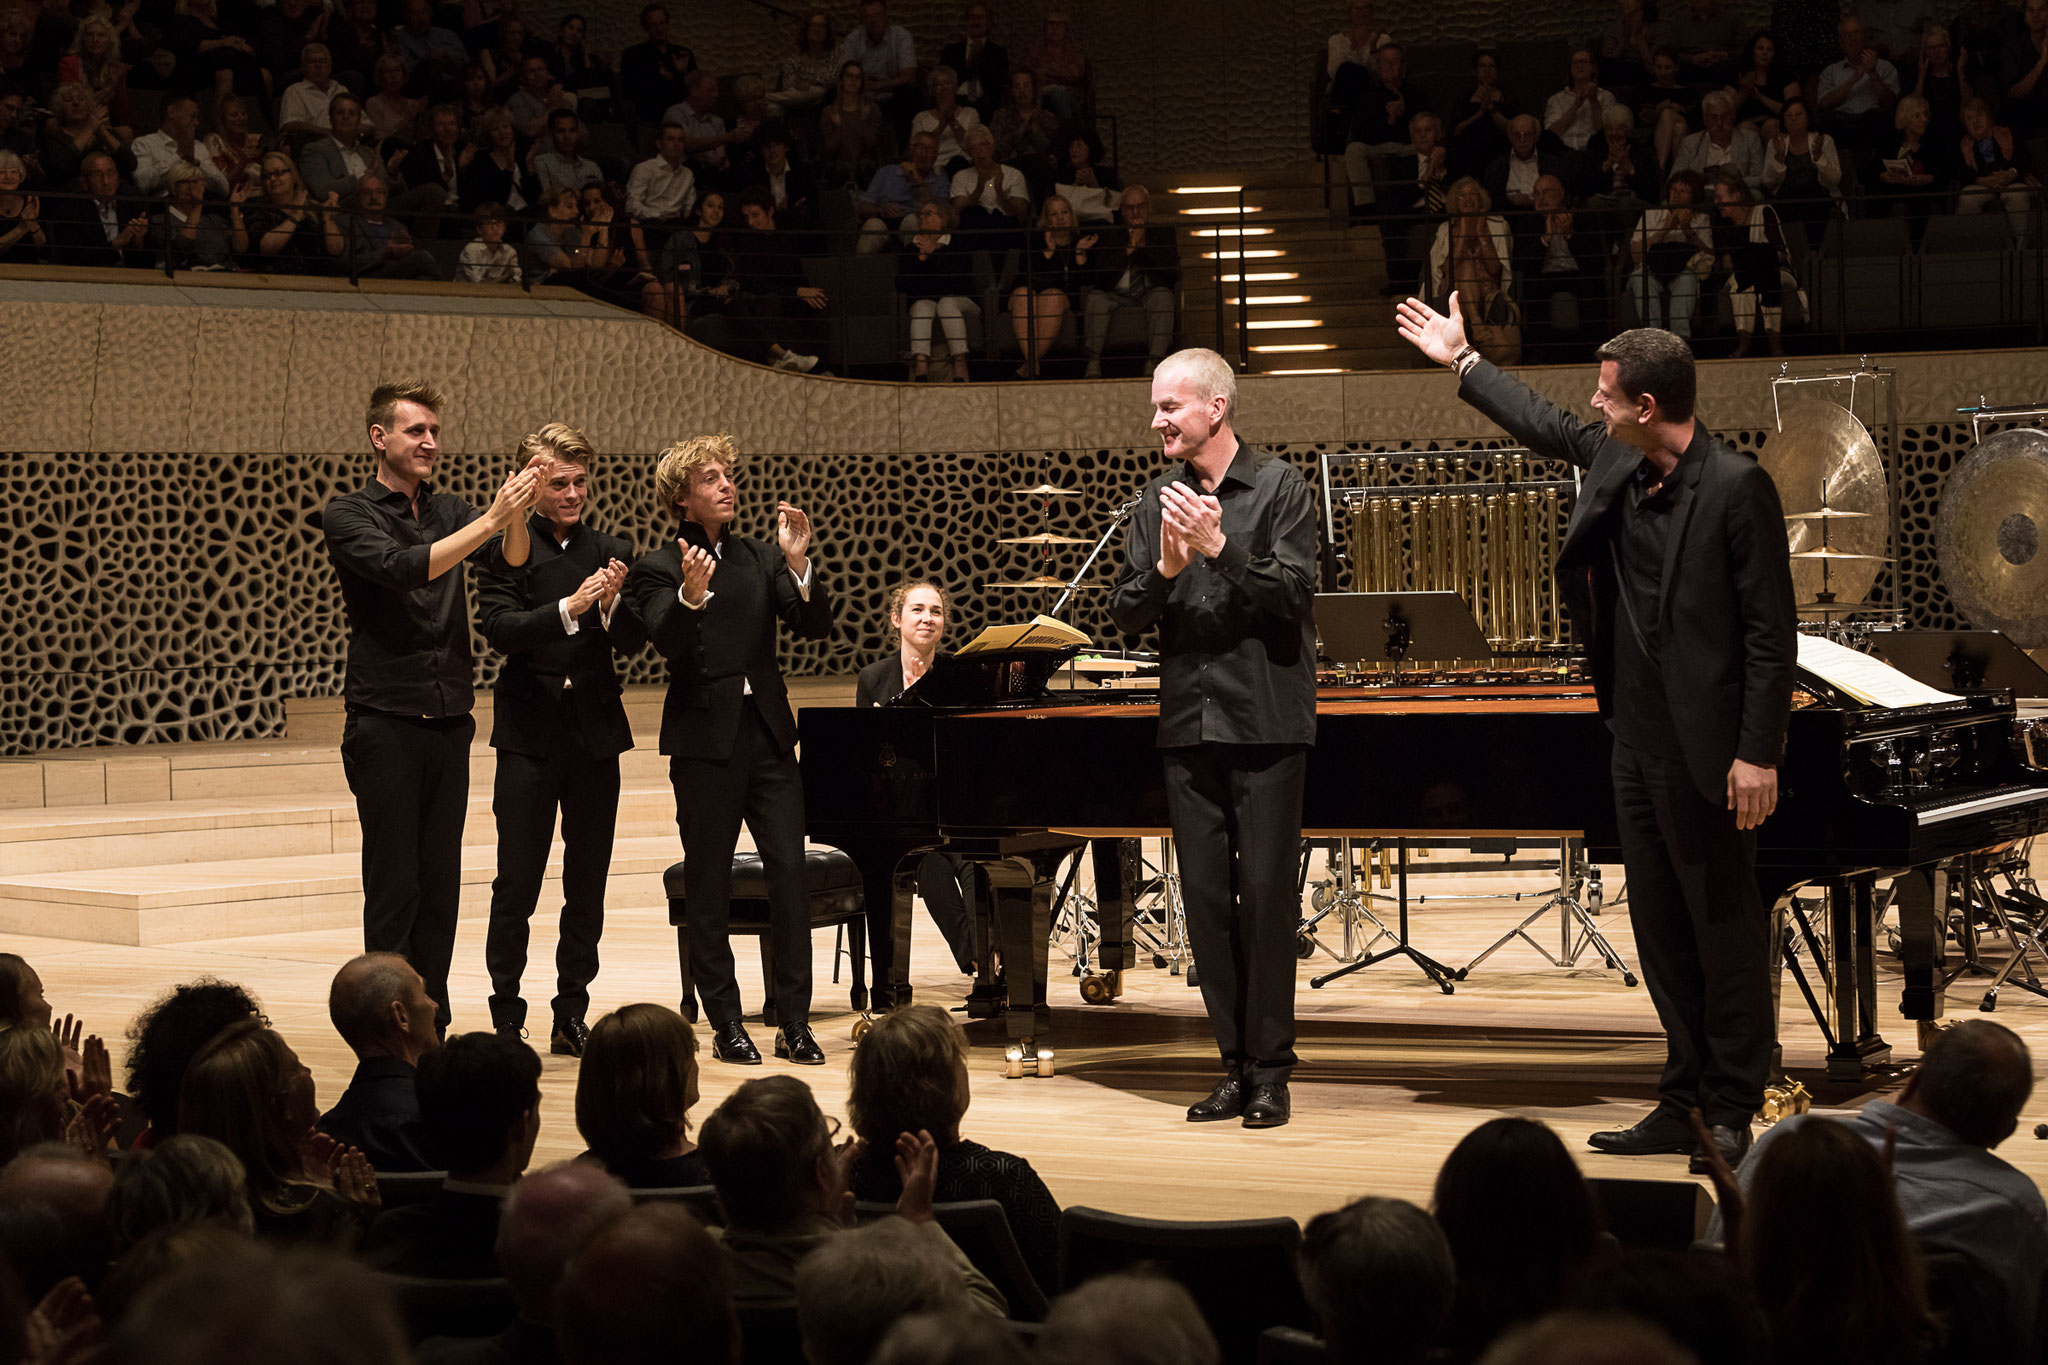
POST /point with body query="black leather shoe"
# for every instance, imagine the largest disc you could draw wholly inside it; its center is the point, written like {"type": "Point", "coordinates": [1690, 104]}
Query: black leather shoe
{"type": "Point", "coordinates": [1226, 1101]}
{"type": "Point", "coordinates": [730, 1043]}
{"type": "Point", "coordinates": [509, 1030]}
{"type": "Point", "coordinates": [1660, 1133]}
{"type": "Point", "coordinates": [1268, 1107]}
{"type": "Point", "coordinates": [794, 1043]}
{"type": "Point", "coordinates": [1733, 1142]}
{"type": "Point", "coordinates": [569, 1039]}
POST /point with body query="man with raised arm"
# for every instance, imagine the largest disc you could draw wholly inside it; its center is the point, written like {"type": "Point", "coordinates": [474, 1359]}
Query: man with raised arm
{"type": "Point", "coordinates": [398, 546]}
{"type": "Point", "coordinates": [1675, 570]}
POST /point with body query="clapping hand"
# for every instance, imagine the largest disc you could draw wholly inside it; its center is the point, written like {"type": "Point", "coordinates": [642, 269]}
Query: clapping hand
{"type": "Point", "coordinates": [94, 1125]}
{"type": "Point", "coordinates": [588, 592]}
{"type": "Point", "coordinates": [615, 579]}
{"type": "Point", "coordinates": [1197, 518]}
{"type": "Point", "coordinates": [698, 566]}
{"type": "Point", "coordinates": [1173, 551]}
{"type": "Point", "coordinates": [515, 495]}
{"type": "Point", "coordinates": [64, 1328]}
{"type": "Point", "coordinates": [917, 1166]}
{"type": "Point", "coordinates": [793, 535]}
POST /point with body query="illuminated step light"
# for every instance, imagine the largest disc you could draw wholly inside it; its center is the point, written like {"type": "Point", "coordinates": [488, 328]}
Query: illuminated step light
{"type": "Point", "coordinates": [1330, 370]}
{"type": "Point", "coordinates": [1222, 208]}
{"type": "Point", "coordinates": [1264, 253]}
{"type": "Point", "coordinates": [1258, 299]}
{"type": "Point", "coordinates": [1209, 189]}
{"type": "Point", "coordinates": [1232, 232]}
{"type": "Point", "coordinates": [1294, 347]}
{"type": "Point", "coordinates": [1262, 276]}
{"type": "Point", "coordinates": [1281, 324]}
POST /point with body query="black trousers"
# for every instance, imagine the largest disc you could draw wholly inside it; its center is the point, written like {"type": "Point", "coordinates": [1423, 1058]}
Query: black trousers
{"type": "Point", "coordinates": [760, 785]}
{"type": "Point", "coordinates": [524, 798]}
{"type": "Point", "coordinates": [411, 784]}
{"type": "Point", "coordinates": [1236, 812]}
{"type": "Point", "coordinates": [1702, 935]}
{"type": "Point", "coordinates": [947, 884]}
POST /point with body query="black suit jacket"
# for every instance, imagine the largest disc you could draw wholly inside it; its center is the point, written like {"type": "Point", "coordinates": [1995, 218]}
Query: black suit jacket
{"type": "Point", "coordinates": [77, 237]}
{"type": "Point", "coordinates": [422, 167]}
{"type": "Point", "coordinates": [452, 1236]}
{"type": "Point", "coordinates": [380, 1113]}
{"type": "Point", "coordinates": [1727, 628]}
{"type": "Point", "coordinates": [1547, 163]}
{"type": "Point", "coordinates": [880, 682]}
{"type": "Point", "coordinates": [518, 612]}
{"type": "Point", "coordinates": [991, 66]}
{"type": "Point", "coordinates": [714, 654]}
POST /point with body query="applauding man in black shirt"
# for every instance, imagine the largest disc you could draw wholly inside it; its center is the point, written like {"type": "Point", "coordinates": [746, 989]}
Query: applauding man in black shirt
{"type": "Point", "coordinates": [398, 546]}
{"type": "Point", "coordinates": [559, 727]}
{"type": "Point", "coordinates": [710, 600]}
{"type": "Point", "coordinates": [1222, 558]}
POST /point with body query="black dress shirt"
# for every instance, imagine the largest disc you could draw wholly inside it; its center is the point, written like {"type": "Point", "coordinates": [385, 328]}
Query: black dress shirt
{"type": "Point", "coordinates": [408, 636]}
{"type": "Point", "coordinates": [1642, 715]}
{"type": "Point", "coordinates": [1236, 633]}
{"type": "Point", "coordinates": [380, 1114]}
{"type": "Point", "coordinates": [453, 1236]}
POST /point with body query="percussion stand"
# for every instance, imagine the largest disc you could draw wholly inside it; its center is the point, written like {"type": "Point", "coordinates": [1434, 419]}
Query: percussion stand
{"type": "Point", "coordinates": [1338, 895]}
{"type": "Point", "coordinates": [1427, 965]}
{"type": "Point", "coordinates": [1576, 929]}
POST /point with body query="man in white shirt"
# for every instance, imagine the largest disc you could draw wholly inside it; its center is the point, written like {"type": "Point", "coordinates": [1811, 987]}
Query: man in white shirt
{"type": "Point", "coordinates": [705, 136]}
{"type": "Point", "coordinates": [303, 110]}
{"type": "Point", "coordinates": [1858, 93]}
{"type": "Point", "coordinates": [1573, 114]}
{"type": "Point", "coordinates": [562, 165]}
{"type": "Point", "coordinates": [176, 140]}
{"type": "Point", "coordinates": [1722, 143]}
{"type": "Point", "coordinates": [663, 190]}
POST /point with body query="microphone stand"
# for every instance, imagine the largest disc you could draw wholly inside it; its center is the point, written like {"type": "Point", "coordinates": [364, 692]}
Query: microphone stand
{"type": "Point", "coordinates": [1122, 515]}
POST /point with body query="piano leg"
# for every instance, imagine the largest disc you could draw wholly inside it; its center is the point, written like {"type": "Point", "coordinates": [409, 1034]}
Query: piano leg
{"type": "Point", "coordinates": [1118, 868]}
{"type": "Point", "coordinates": [1852, 930]}
{"type": "Point", "coordinates": [888, 880]}
{"type": "Point", "coordinates": [1022, 889]}
{"type": "Point", "coordinates": [1921, 893]}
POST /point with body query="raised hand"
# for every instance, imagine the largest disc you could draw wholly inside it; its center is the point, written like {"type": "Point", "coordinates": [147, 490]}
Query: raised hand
{"type": "Point", "coordinates": [840, 1173]}
{"type": "Point", "coordinates": [1173, 551]}
{"type": "Point", "coordinates": [698, 566]}
{"type": "Point", "coordinates": [588, 592]}
{"type": "Point", "coordinates": [1437, 335]}
{"type": "Point", "coordinates": [355, 1181]}
{"type": "Point", "coordinates": [792, 534]}
{"type": "Point", "coordinates": [94, 1073]}
{"type": "Point", "coordinates": [64, 1328]}
{"type": "Point", "coordinates": [317, 1152]}
{"type": "Point", "coordinates": [94, 1125]}
{"type": "Point", "coordinates": [614, 579]}
{"type": "Point", "coordinates": [917, 1166]}
{"type": "Point", "coordinates": [517, 494]}
{"type": "Point", "coordinates": [1197, 518]}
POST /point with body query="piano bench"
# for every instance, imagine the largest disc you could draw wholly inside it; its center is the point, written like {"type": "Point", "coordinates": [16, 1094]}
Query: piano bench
{"type": "Point", "coordinates": [832, 884]}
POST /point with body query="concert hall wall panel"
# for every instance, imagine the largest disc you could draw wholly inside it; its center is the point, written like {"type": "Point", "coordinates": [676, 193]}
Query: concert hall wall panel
{"type": "Point", "coordinates": [168, 583]}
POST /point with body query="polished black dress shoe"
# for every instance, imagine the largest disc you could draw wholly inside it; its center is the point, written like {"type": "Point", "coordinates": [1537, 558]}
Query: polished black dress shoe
{"type": "Point", "coordinates": [1658, 1134]}
{"type": "Point", "coordinates": [1226, 1101]}
{"type": "Point", "coordinates": [569, 1039]}
{"type": "Point", "coordinates": [1268, 1106]}
{"type": "Point", "coordinates": [794, 1043]}
{"type": "Point", "coordinates": [1732, 1142]}
{"type": "Point", "coordinates": [509, 1030]}
{"type": "Point", "coordinates": [730, 1043]}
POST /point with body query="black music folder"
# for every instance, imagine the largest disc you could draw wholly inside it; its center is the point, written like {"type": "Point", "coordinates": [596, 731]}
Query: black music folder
{"type": "Point", "coordinates": [1962, 660]}
{"type": "Point", "coordinates": [1379, 627]}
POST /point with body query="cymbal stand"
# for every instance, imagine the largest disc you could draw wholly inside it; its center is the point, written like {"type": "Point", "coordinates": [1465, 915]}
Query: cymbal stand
{"type": "Point", "coordinates": [2015, 913]}
{"type": "Point", "coordinates": [1575, 926]}
{"type": "Point", "coordinates": [1338, 894]}
{"type": "Point", "coordinates": [1116, 519]}
{"type": "Point", "coordinates": [1076, 916]}
{"type": "Point", "coordinates": [1427, 965]}
{"type": "Point", "coordinates": [1162, 920]}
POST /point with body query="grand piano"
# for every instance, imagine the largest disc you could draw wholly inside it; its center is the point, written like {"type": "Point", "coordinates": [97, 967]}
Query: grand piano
{"type": "Point", "coordinates": [1019, 784]}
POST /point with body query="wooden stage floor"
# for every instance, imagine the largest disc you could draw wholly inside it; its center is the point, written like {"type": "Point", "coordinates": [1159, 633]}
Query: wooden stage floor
{"type": "Point", "coordinates": [1393, 1073]}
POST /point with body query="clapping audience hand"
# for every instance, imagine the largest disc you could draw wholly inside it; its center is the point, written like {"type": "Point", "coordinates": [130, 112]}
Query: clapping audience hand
{"type": "Point", "coordinates": [917, 1165]}
{"type": "Point", "coordinates": [63, 1329]}
{"type": "Point", "coordinates": [94, 1125]}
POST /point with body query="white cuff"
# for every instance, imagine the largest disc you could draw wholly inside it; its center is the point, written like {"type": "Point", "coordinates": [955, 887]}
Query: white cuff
{"type": "Point", "coordinates": [604, 612]}
{"type": "Point", "coordinates": [803, 585]}
{"type": "Point", "coordinates": [695, 606]}
{"type": "Point", "coordinates": [570, 625]}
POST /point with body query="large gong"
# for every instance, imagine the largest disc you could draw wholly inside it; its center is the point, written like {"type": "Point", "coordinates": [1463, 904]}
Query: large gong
{"type": "Point", "coordinates": [1991, 535]}
{"type": "Point", "coordinates": [1822, 457]}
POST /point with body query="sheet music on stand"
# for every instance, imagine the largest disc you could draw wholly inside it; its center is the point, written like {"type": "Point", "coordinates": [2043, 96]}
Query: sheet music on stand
{"type": "Point", "coordinates": [1869, 680]}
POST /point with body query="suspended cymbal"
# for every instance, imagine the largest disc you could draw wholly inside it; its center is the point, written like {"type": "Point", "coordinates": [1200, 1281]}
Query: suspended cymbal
{"type": "Point", "coordinates": [1826, 514]}
{"type": "Point", "coordinates": [1824, 458]}
{"type": "Point", "coordinates": [1835, 556]}
{"type": "Point", "coordinates": [1832, 608]}
{"type": "Point", "coordinates": [1042, 582]}
{"type": "Point", "coordinates": [1988, 535]}
{"type": "Point", "coordinates": [1044, 538]}
{"type": "Point", "coordinates": [1045, 490]}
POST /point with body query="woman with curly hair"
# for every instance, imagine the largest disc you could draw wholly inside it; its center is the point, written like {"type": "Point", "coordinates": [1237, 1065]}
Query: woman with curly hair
{"type": "Point", "coordinates": [167, 1035]}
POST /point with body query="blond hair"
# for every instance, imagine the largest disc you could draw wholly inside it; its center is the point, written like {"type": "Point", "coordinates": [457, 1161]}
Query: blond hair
{"type": "Point", "coordinates": [900, 594]}
{"type": "Point", "coordinates": [680, 462]}
{"type": "Point", "coordinates": [557, 441]}
{"type": "Point", "coordinates": [385, 398]}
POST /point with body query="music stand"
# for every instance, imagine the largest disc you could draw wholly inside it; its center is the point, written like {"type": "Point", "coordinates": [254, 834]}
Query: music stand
{"type": "Point", "coordinates": [1398, 625]}
{"type": "Point", "coordinates": [1962, 660]}
{"type": "Point", "coordinates": [992, 677]}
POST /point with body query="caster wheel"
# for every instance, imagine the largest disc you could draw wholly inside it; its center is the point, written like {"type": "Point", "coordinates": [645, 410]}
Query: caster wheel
{"type": "Point", "coordinates": [1095, 990]}
{"type": "Point", "coordinates": [1628, 978]}
{"type": "Point", "coordinates": [1192, 979]}
{"type": "Point", "coordinates": [1045, 1063]}
{"type": "Point", "coordinates": [861, 1027]}
{"type": "Point", "coordinates": [1159, 961]}
{"type": "Point", "coordinates": [1990, 1002]}
{"type": "Point", "coordinates": [859, 996]}
{"type": "Point", "coordinates": [1304, 946]}
{"type": "Point", "coordinates": [1449, 989]}
{"type": "Point", "coordinates": [1458, 975]}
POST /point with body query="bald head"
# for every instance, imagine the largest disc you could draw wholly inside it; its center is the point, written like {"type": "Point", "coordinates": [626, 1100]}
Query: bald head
{"type": "Point", "coordinates": [545, 1220]}
{"type": "Point", "coordinates": [381, 1008]}
{"type": "Point", "coordinates": [1522, 134]}
{"type": "Point", "coordinates": [61, 1177]}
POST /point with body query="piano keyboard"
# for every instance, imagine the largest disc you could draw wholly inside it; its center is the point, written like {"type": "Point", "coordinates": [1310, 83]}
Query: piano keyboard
{"type": "Point", "coordinates": [1937, 810]}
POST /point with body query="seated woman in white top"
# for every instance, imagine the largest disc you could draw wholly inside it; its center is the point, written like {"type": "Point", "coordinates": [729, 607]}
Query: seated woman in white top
{"type": "Point", "coordinates": [948, 120]}
{"type": "Point", "coordinates": [1572, 115]}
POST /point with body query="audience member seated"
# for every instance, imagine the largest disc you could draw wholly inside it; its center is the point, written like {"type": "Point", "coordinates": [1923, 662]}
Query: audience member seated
{"type": "Point", "coordinates": [1672, 250]}
{"type": "Point", "coordinates": [1954, 1193]}
{"type": "Point", "coordinates": [1139, 268]}
{"type": "Point", "coordinates": [1723, 146]}
{"type": "Point", "coordinates": [1521, 1223]}
{"type": "Point", "coordinates": [1626, 180]}
{"type": "Point", "coordinates": [1479, 122]}
{"type": "Point", "coordinates": [573, 63]}
{"type": "Point", "coordinates": [95, 59]}
{"type": "Point", "coordinates": [909, 1075]}
{"type": "Point", "coordinates": [1561, 260]}
{"type": "Point", "coordinates": [1127, 1320]}
{"type": "Point", "coordinates": [792, 186]}
{"type": "Point", "coordinates": [433, 168]}
{"type": "Point", "coordinates": [981, 63]}
{"type": "Point", "coordinates": [209, 57]}
{"type": "Point", "coordinates": [234, 148]}
{"type": "Point", "coordinates": [175, 141]}
{"type": "Point", "coordinates": [76, 129]}
{"type": "Point", "coordinates": [806, 77]}
{"type": "Point", "coordinates": [773, 306]}
{"type": "Point", "coordinates": [696, 267]}
{"type": "Point", "coordinates": [958, 1337]}
{"type": "Point", "coordinates": [990, 198]}
{"type": "Point", "coordinates": [1060, 64]}
{"type": "Point", "coordinates": [282, 35]}
{"type": "Point", "coordinates": [1914, 169]}
{"type": "Point", "coordinates": [1982, 28]}
{"type": "Point", "coordinates": [109, 227]}
{"type": "Point", "coordinates": [248, 1090]}
{"type": "Point", "coordinates": [33, 1096]}
{"type": "Point", "coordinates": [22, 998]}
{"type": "Point", "coordinates": [357, 38]}
{"type": "Point", "coordinates": [1473, 255]}
{"type": "Point", "coordinates": [433, 56]}
{"type": "Point", "coordinates": [380, 1007]}
{"type": "Point", "coordinates": [633, 1097]}
{"type": "Point", "coordinates": [1571, 117]}
{"type": "Point", "coordinates": [860, 1281]}
{"type": "Point", "coordinates": [662, 190]}
{"type": "Point", "coordinates": [335, 163]}
{"type": "Point", "coordinates": [649, 1287]}
{"type": "Point", "coordinates": [1026, 130]}
{"type": "Point", "coordinates": [653, 74]}
{"type": "Point", "coordinates": [480, 1098]}
{"type": "Point", "coordinates": [1762, 86]}
{"type": "Point", "coordinates": [584, 241]}
{"type": "Point", "coordinates": [495, 175]}
{"type": "Point", "coordinates": [2023, 94]}
{"type": "Point", "coordinates": [1666, 108]}
{"type": "Point", "coordinates": [17, 123]}
{"type": "Point", "coordinates": [1511, 180]}
{"type": "Point", "coordinates": [894, 195]}
{"type": "Point", "coordinates": [1058, 266]}
{"type": "Point", "coordinates": [936, 274]}
{"type": "Point", "coordinates": [475, 100]}
{"type": "Point", "coordinates": [22, 238]}
{"type": "Point", "coordinates": [489, 258]}
{"type": "Point", "coordinates": [158, 1257]}
{"type": "Point", "coordinates": [946, 119]}
{"type": "Point", "coordinates": [1994, 170]}
{"type": "Point", "coordinates": [1379, 130]}
{"type": "Point", "coordinates": [1581, 1339]}
{"type": "Point", "coordinates": [1379, 1277]}
{"type": "Point", "coordinates": [1350, 64]}
{"type": "Point", "coordinates": [263, 1303]}
{"type": "Point", "coordinates": [1895, 27]}
{"type": "Point", "coordinates": [379, 246]}
{"type": "Point", "coordinates": [1705, 35]}
{"type": "Point", "coordinates": [1819, 1235]}
{"type": "Point", "coordinates": [1702, 1302]}
{"type": "Point", "coordinates": [302, 112]}
{"type": "Point", "coordinates": [184, 233]}
{"type": "Point", "coordinates": [707, 141]}
{"type": "Point", "coordinates": [1750, 251]}
{"type": "Point", "coordinates": [390, 115]}
{"type": "Point", "coordinates": [852, 137]}
{"type": "Point", "coordinates": [888, 55]}
{"type": "Point", "coordinates": [183, 1181]}
{"type": "Point", "coordinates": [1625, 46]}
{"type": "Point", "coordinates": [1803, 172]}
{"type": "Point", "coordinates": [1083, 181]}
{"type": "Point", "coordinates": [1942, 82]}
{"type": "Point", "coordinates": [544, 1221]}
{"type": "Point", "coordinates": [538, 95]}
{"type": "Point", "coordinates": [1857, 93]}
{"type": "Point", "coordinates": [163, 1038]}
{"type": "Point", "coordinates": [563, 165]}
{"type": "Point", "coordinates": [287, 231]}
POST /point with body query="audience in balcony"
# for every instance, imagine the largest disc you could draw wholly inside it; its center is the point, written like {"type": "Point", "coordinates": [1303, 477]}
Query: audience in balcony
{"type": "Point", "coordinates": [176, 142]}
{"type": "Point", "coordinates": [1762, 85]}
{"type": "Point", "coordinates": [209, 56]}
{"type": "Point", "coordinates": [433, 168]}
{"type": "Point", "coordinates": [1896, 27]}
{"type": "Point", "coordinates": [504, 59]}
{"type": "Point", "coordinates": [1561, 260]}
{"type": "Point", "coordinates": [1139, 268]}
{"type": "Point", "coordinates": [989, 198]}
{"type": "Point", "coordinates": [946, 118]}
{"type": "Point", "coordinates": [17, 125]}
{"type": "Point", "coordinates": [774, 307]}
{"type": "Point", "coordinates": [1706, 36]}
{"type": "Point", "coordinates": [302, 112]}
{"type": "Point", "coordinates": [433, 56]}
{"type": "Point", "coordinates": [95, 61]}
{"type": "Point", "coordinates": [1803, 172]}
{"type": "Point", "coordinates": [1061, 65]}
{"type": "Point", "coordinates": [1943, 81]}
{"type": "Point", "coordinates": [335, 163]}
{"type": "Point", "coordinates": [76, 129]}
{"type": "Point", "coordinates": [1858, 92]}
{"type": "Point", "coordinates": [357, 39]}
{"type": "Point", "coordinates": [380, 246]}
{"type": "Point", "coordinates": [936, 274]}
{"type": "Point", "coordinates": [185, 234]}
{"type": "Point", "coordinates": [1473, 255]}
{"type": "Point", "coordinates": [853, 139]}
{"type": "Point", "coordinates": [1479, 123]}
{"type": "Point", "coordinates": [1083, 181]}
{"type": "Point", "coordinates": [538, 95]}
{"type": "Point", "coordinates": [563, 163]}
{"type": "Point", "coordinates": [1667, 107]}
{"type": "Point", "coordinates": [695, 267]}
{"type": "Point", "coordinates": [1058, 267]}
{"type": "Point", "coordinates": [1418, 198]}
{"type": "Point", "coordinates": [1915, 166]}
{"type": "Point", "coordinates": [389, 114]}
{"type": "Point", "coordinates": [708, 142]}
{"type": "Point", "coordinates": [981, 63]}
{"type": "Point", "coordinates": [1572, 116]}
{"type": "Point", "coordinates": [1722, 146]}
{"type": "Point", "coordinates": [791, 184]}
{"type": "Point", "coordinates": [22, 238]}
{"type": "Point", "coordinates": [1379, 128]}
{"type": "Point", "coordinates": [1671, 251]}
{"type": "Point", "coordinates": [107, 227]}
{"type": "Point", "coordinates": [231, 145]}
{"type": "Point", "coordinates": [1994, 169]}
{"type": "Point", "coordinates": [1027, 130]}
{"type": "Point", "coordinates": [890, 203]}
{"type": "Point", "coordinates": [1627, 178]}
{"type": "Point", "coordinates": [1626, 45]}
{"type": "Point", "coordinates": [887, 55]}
{"type": "Point", "coordinates": [1754, 260]}
{"type": "Point", "coordinates": [488, 258]}
{"type": "Point", "coordinates": [1510, 181]}
{"type": "Point", "coordinates": [806, 78]}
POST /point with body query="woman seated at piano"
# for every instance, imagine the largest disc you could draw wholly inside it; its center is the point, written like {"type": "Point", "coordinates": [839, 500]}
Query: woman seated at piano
{"type": "Point", "coordinates": [917, 622]}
